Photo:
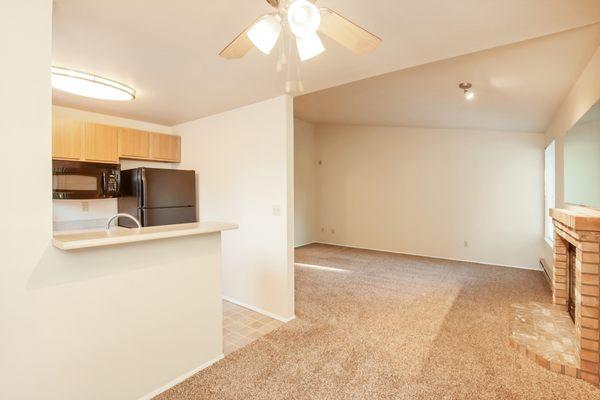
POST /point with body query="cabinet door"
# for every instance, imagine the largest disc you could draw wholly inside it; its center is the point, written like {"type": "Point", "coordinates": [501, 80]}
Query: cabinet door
{"type": "Point", "coordinates": [165, 147]}
{"type": "Point", "coordinates": [134, 144]}
{"type": "Point", "coordinates": [66, 138]}
{"type": "Point", "coordinates": [101, 143]}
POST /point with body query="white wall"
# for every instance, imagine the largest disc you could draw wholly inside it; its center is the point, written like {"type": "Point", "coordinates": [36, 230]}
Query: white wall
{"type": "Point", "coordinates": [582, 164]}
{"type": "Point", "coordinates": [25, 201]}
{"type": "Point", "coordinates": [427, 191]}
{"type": "Point", "coordinates": [82, 214]}
{"type": "Point", "coordinates": [69, 214]}
{"type": "Point", "coordinates": [92, 324]}
{"type": "Point", "coordinates": [244, 164]}
{"type": "Point", "coordinates": [583, 95]}
{"type": "Point", "coordinates": [305, 206]}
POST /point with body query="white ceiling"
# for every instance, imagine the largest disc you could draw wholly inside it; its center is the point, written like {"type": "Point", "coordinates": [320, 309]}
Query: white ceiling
{"type": "Point", "coordinates": [168, 50]}
{"type": "Point", "coordinates": [518, 87]}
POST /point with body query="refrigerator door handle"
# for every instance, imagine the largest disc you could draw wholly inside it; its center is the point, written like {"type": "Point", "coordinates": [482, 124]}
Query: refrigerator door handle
{"type": "Point", "coordinates": [142, 186]}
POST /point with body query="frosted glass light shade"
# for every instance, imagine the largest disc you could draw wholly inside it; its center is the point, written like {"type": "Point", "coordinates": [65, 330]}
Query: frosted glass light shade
{"type": "Point", "coordinates": [88, 85]}
{"type": "Point", "coordinates": [309, 46]}
{"type": "Point", "coordinates": [304, 18]}
{"type": "Point", "coordinates": [264, 33]}
{"type": "Point", "coordinates": [469, 95]}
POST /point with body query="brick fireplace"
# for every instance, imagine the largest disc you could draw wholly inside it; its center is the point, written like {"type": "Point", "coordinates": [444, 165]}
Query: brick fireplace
{"type": "Point", "coordinates": [576, 277]}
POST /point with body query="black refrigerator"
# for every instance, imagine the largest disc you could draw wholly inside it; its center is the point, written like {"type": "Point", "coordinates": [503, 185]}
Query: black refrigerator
{"type": "Point", "coordinates": [157, 196]}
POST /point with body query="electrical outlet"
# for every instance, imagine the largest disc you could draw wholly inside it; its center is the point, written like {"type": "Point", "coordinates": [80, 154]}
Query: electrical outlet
{"type": "Point", "coordinates": [276, 210]}
{"type": "Point", "coordinates": [466, 244]}
{"type": "Point", "coordinates": [85, 206]}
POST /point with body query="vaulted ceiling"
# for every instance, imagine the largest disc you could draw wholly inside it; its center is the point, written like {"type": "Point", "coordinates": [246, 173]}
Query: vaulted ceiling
{"type": "Point", "coordinates": [517, 87]}
{"type": "Point", "coordinates": [168, 50]}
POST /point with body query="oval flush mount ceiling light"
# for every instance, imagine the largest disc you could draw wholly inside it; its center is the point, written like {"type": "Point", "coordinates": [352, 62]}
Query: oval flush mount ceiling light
{"type": "Point", "coordinates": [89, 85]}
{"type": "Point", "coordinates": [466, 87]}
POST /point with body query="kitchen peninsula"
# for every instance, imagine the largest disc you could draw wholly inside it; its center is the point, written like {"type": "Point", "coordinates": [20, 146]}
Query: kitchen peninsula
{"type": "Point", "coordinates": [101, 238]}
{"type": "Point", "coordinates": [153, 302]}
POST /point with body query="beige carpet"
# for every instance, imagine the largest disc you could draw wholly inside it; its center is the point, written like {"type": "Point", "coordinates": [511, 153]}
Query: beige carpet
{"type": "Point", "coordinates": [390, 326]}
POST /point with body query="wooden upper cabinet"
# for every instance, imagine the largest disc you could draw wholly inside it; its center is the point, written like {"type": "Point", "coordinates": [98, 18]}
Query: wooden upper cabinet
{"type": "Point", "coordinates": [165, 147]}
{"type": "Point", "coordinates": [88, 141]}
{"type": "Point", "coordinates": [101, 143]}
{"type": "Point", "coordinates": [66, 138]}
{"type": "Point", "coordinates": [134, 144]}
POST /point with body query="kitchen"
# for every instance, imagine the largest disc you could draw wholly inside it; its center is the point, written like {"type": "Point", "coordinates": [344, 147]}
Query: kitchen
{"type": "Point", "coordinates": [103, 172]}
{"type": "Point", "coordinates": [142, 268]}
{"type": "Point", "coordinates": [144, 307]}
{"type": "Point", "coordinates": [100, 145]}
{"type": "Point", "coordinates": [97, 155]}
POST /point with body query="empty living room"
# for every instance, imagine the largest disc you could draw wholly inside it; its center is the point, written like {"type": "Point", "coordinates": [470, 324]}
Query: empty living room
{"type": "Point", "coordinates": [300, 199]}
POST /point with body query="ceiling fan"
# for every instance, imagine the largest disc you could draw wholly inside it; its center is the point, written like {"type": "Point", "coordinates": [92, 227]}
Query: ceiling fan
{"type": "Point", "coordinates": [299, 21]}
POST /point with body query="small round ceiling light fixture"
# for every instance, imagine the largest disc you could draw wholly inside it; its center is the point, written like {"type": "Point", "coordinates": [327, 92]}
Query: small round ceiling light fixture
{"type": "Point", "coordinates": [466, 88]}
{"type": "Point", "coordinates": [88, 85]}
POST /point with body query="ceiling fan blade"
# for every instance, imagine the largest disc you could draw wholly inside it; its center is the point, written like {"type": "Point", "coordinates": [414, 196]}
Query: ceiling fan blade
{"type": "Point", "coordinates": [239, 46]}
{"type": "Point", "coordinates": [347, 33]}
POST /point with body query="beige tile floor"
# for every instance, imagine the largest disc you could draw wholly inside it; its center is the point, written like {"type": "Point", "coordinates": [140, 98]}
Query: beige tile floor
{"type": "Point", "coordinates": [242, 326]}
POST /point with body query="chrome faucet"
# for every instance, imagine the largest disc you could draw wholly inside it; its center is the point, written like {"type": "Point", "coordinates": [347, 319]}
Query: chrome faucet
{"type": "Point", "coordinates": [125, 215]}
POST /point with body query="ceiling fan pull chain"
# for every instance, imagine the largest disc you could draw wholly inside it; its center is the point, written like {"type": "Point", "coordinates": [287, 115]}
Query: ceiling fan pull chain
{"type": "Point", "coordinates": [281, 58]}
{"type": "Point", "coordinates": [298, 77]}
{"type": "Point", "coordinates": [283, 45]}
{"type": "Point", "coordinates": [298, 86]}
{"type": "Point", "coordinates": [290, 83]}
{"type": "Point", "coordinates": [293, 84]}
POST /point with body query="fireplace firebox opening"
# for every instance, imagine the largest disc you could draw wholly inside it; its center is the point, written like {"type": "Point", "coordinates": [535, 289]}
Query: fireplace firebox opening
{"type": "Point", "coordinates": [571, 268]}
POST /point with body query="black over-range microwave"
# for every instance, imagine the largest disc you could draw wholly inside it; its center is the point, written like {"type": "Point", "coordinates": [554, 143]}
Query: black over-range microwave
{"type": "Point", "coordinates": [85, 180]}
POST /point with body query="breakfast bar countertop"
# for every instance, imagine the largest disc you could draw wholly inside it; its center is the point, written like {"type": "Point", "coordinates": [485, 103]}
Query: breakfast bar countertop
{"type": "Point", "coordinates": [121, 236]}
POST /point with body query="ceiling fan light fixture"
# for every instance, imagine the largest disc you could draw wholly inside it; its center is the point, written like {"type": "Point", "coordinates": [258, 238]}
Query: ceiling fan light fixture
{"type": "Point", "coordinates": [304, 18]}
{"type": "Point", "coordinates": [309, 46]}
{"type": "Point", "coordinates": [265, 32]}
{"type": "Point", "coordinates": [88, 85]}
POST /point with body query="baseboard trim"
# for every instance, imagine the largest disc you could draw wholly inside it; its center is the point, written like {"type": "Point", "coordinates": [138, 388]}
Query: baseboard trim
{"type": "Point", "coordinates": [304, 244]}
{"type": "Point", "coordinates": [259, 310]}
{"type": "Point", "coordinates": [180, 379]}
{"type": "Point", "coordinates": [436, 257]}
{"type": "Point", "coordinates": [545, 269]}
